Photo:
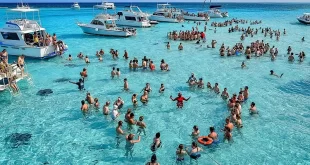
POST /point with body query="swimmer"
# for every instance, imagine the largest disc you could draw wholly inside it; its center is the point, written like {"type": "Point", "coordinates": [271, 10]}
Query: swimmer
{"type": "Point", "coordinates": [100, 58]}
{"type": "Point", "coordinates": [227, 134]}
{"type": "Point", "coordinates": [195, 132]}
{"type": "Point", "coordinates": [180, 46]}
{"type": "Point", "coordinates": [239, 121]}
{"type": "Point", "coordinates": [115, 113]}
{"type": "Point", "coordinates": [105, 108]}
{"type": "Point", "coordinates": [101, 52]}
{"type": "Point", "coordinates": [125, 55]}
{"type": "Point", "coordinates": [130, 144]}
{"type": "Point", "coordinates": [69, 58]}
{"type": "Point", "coordinates": [134, 100]}
{"type": "Point", "coordinates": [291, 57]}
{"type": "Point", "coordinates": [303, 39]}
{"type": "Point", "coordinates": [192, 80]}
{"type": "Point", "coordinates": [168, 45]}
{"type": "Point", "coordinates": [153, 160]}
{"type": "Point", "coordinates": [180, 152]}
{"type": "Point", "coordinates": [246, 93]}
{"type": "Point", "coordinates": [84, 73]}
{"type": "Point", "coordinates": [162, 88]}
{"type": "Point", "coordinates": [87, 60]}
{"type": "Point", "coordinates": [240, 97]}
{"type": "Point", "coordinates": [80, 84]}
{"type": "Point", "coordinates": [80, 55]}
{"type": "Point", "coordinates": [198, 42]}
{"type": "Point", "coordinates": [119, 133]}
{"type": "Point", "coordinates": [96, 103]}
{"type": "Point", "coordinates": [253, 109]}
{"type": "Point", "coordinates": [113, 72]}
{"type": "Point", "coordinates": [119, 103]}
{"type": "Point", "coordinates": [209, 85]}
{"type": "Point", "coordinates": [126, 86]}
{"type": "Point", "coordinates": [194, 152]}
{"type": "Point", "coordinates": [127, 115]}
{"type": "Point", "coordinates": [243, 65]}
{"type": "Point", "coordinates": [152, 66]}
{"type": "Point", "coordinates": [89, 99]}
{"type": "Point", "coordinates": [213, 134]}
{"type": "Point", "coordinates": [147, 88]}
{"type": "Point", "coordinates": [225, 94]}
{"type": "Point", "coordinates": [144, 98]}
{"type": "Point", "coordinates": [200, 84]}
{"type": "Point", "coordinates": [141, 126]}
{"type": "Point", "coordinates": [216, 89]}
{"type": "Point", "coordinates": [118, 72]}
{"type": "Point", "coordinates": [273, 74]}
{"type": "Point", "coordinates": [156, 142]}
{"type": "Point", "coordinates": [179, 100]}
{"type": "Point", "coordinates": [84, 107]}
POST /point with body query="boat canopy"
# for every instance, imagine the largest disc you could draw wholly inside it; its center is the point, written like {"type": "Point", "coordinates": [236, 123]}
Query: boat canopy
{"type": "Point", "coordinates": [215, 6]}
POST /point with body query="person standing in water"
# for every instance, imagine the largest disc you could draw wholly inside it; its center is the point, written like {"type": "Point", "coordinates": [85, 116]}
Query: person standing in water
{"type": "Point", "coordinates": [80, 84]}
{"type": "Point", "coordinates": [130, 144]}
{"type": "Point", "coordinates": [180, 152]}
{"type": "Point", "coordinates": [126, 86]}
{"type": "Point", "coordinates": [153, 160]}
{"type": "Point", "coordinates": [119, 133]}
{"type": "Point", "coordinates": [156, 142]}
{"type": "Point", "coordinates": [179, 100]}
{"type": "Point", "coordinates": [141, 126]}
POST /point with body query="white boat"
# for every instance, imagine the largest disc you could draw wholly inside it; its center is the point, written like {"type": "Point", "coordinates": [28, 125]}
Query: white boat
{"type": "Point", "coordinates": [105, 5]}
{"type": "Point", "coordinates": [165, 13]}
{"type": "Point", "coordinates": [17, 36]}
{"type": "Point", "coordinates": [214, 13]}
{"type": "Point", "coordinates": [75, 6]}
{"type": "Point", "coordinates": [132, 16]}
{"type": "Point", "coordinates": [195, 17]}
{"type": "Point", "coordinates": [22, 6]}
{"type": "Point", "coordinates": [305, 18]}
{"type": "Point", "coordinates": [104, 24]}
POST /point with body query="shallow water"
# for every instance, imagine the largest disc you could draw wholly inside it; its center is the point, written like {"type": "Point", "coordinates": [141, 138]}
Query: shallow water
{"type": "Point", "coordinates": [61, 135]}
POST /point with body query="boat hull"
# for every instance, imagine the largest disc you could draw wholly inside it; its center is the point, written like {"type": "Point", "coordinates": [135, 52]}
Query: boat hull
{"type": "Point", "coordinates": [303, 21]}
{"type": "Point", "coordinates": [164, 19]}
{"type": "Point", "coordinates": [133, 23]}
{"type": "Point", "coordinates": [194, 18]}
{"type": "Point", "coordinates": [30, 51]}
{"type": "Point", "coordinates": [75, 8]}
{"type": "Point", "coordinates": [103, 32]}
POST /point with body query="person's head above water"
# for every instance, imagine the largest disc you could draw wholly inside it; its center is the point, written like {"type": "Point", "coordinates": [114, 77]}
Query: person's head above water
{"type": "Point", "coordinates": [211, 129]}
{"type": "Point", "coordinates": [153, 158]}
{"type": "Point", "coordinates": [157, 135]}
{"type": "Point", "coordinates": [271, 71]}
{"type": "Point", "coordinates": [179, 94]}
{"type": "Point", "coordinates": [120, 123]}
{"type": "Point", "coordinates": [195, 128]}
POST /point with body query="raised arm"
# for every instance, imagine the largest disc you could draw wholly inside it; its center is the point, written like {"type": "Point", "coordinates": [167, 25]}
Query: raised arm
{"type": "Point", "coordinates": [187, 99]}
{"type": "Point", "coordinates": [136, 141]}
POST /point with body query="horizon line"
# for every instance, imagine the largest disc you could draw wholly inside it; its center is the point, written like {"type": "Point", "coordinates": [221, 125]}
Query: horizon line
{"type": "Point", "coordinates": [258, 2]}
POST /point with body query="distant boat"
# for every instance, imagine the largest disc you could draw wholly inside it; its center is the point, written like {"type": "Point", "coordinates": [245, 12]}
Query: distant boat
{"type": "Point", "coordinates": [105, 5]}
{"type": "Point", "coordinates": [75, 6]}
{"type": "Point", "coordinates": [132, 16]}
{"type": "Point", "coordinates": [215, 12]}
{"type": "Point", "coordinates": [305, 18]}
{"type": "Point", "coordinates": [22, 6]}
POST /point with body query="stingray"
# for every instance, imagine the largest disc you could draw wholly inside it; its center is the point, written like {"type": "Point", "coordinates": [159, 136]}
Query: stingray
{"type": "Point", "coordinates": [44, 92]}
{"type": "Point", "coordinates": [17, 139]}
{"type": "Point", "coordinates": [71, 65]}
{"type": "Point", "coordinates": [61, 80]}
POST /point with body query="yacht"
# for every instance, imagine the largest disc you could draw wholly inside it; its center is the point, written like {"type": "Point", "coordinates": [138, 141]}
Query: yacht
{"type": "Point", "coordinates": [27, 37]}
{"type": "Point", "coordinates": [104, 24]}
{"type": "Point", "coordinates": [105, 5]}
{"type": "Point", "coordinates": [200, 16]}
{"type": "Point", "coordinates": [305, 18]}
{"type": "Point", "coordinates": [132, 16]}
{"type": "Point", "coordinates": [75, 6]}
{"type": "Point", "coordinates": [214, 13]}
{"type": "Point", "coordinates": [165, 13]}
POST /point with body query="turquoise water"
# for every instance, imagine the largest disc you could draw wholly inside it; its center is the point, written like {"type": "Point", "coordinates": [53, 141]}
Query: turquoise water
{"type": "Point", "coordinates": [61, 135]}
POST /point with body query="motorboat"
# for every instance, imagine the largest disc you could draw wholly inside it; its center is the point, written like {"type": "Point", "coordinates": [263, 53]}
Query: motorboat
{"type": "Point", "coordinates": [200, 16]}
{"type": "Point", "coordinates": [75, 6]}
{"type": "Point", "coordinates": [105, 5]}
{"type": "Point", "coordinates": [104, 24]}
{"type": "Point", "coordinates": [165, 13]}
{"type": "Point", "coordinates": [214, 13]}
{"type": "Point", "coordinates": [27, 37]}
{"type": "Point", "coordinates": [132, 16]}
{"type": "Point", "coordinates": [22, 6]}
{"type": "Point", "coordinates": [305, 18]}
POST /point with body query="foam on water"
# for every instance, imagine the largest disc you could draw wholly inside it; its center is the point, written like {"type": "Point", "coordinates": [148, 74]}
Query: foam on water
{"type": "Point", "coordinates": [60, 134]}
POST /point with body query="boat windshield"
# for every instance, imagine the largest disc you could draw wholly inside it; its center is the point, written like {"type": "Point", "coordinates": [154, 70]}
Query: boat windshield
{"type": "Point", "coordinates": [109, 24]}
